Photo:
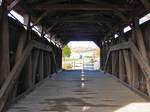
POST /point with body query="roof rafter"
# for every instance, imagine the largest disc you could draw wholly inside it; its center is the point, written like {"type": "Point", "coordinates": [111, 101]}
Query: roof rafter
{"type": "Point", "coordinates": [87, 7]}
{"type": "Point", "coordinates": [49, 2]}
{"type": "Point", "coordinates": [40, 18]}
{"type": "Point", "coordinates": [146, 3]}
{"type": "Point", "coordinates": [82, 15]}
{"type": "Point", "coordinates": [120, 15]}
{"type": "Point", "coordinates": [51, 27]}
{"type": "Point", "coordinates": [12, 5]}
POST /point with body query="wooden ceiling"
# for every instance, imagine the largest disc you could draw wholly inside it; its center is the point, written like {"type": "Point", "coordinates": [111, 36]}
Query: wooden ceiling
{"type": "Point", "coordinates": [94, 20]}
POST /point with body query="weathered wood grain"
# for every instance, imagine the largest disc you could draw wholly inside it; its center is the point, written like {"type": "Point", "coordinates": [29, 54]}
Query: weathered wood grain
{"type": "Point", "coordinates": [13, 75]}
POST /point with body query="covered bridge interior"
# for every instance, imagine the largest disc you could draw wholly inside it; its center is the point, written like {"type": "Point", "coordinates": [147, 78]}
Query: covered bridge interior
{"type": "Point", "coordinates": [31, 44]}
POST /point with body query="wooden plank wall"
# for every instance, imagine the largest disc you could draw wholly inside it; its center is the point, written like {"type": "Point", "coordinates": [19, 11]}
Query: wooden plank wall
{"type": "Point", "coordinates": [130, 63]}
{"type": "Point", "coordinates": [25, 59]}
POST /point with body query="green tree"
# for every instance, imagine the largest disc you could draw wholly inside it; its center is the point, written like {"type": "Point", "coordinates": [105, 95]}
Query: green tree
{"type": "Point", "coordinates": [66, 51]}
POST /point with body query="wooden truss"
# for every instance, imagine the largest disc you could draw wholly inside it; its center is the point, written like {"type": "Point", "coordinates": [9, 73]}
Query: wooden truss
{"type": "Point", "coordinates": [14, 74]}
{"type": "Point", "coordinates": [137, 55]}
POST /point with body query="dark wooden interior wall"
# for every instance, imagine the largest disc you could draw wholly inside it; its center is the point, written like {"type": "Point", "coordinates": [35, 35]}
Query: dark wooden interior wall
{"type": "Point", "coordinates": [42, 62]}
{"type": "Point", "coordinates": [123, 64]}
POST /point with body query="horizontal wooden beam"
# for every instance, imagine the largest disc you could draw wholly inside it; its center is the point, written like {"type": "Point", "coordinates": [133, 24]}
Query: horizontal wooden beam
{"type": "Point", "coordinates": [83, 15]}
{"type": "Point", "coordinates": [86, 7]}
{"type": "Point", "coordinates": [78, 21]}
{"type": "Point", "coordinates": [82, 35]}
{"type": "Point", "coordinates": [82, 18]}
{"type": "Point", "coordinates": [46, 2]}
{"type": "Point", "coordinates": [122, 46]}
{"type": "Point", "coordinates": [77, 31]}
{"type": "Point", "coordinates": [92, 1]}
{"type": "Point", "coordinates": [88, 38]}
{"type": "Point", "coordinates": [125, 45]}
{"type": "Point", "coordinates": [78, 26]}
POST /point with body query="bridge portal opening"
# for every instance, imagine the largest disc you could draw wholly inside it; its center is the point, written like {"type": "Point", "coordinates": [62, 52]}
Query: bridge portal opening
{"type": "Point", "coordinates": [78, 55]}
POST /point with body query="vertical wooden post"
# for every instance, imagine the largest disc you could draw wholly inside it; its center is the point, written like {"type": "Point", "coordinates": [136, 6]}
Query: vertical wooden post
{"type": "Point", "coordinates": [122, 70]}
{"type": "Point", "coordinates": [134, 64]}
{"type": "Point", "coordinates": [106, 50]}
{"type": "Point", "coordinates": [48, 64]}
{"type": "Point", "coordinates": [29, 62]}
{"type": "Point", "coordinates": [29, 77]}
{"type": "Point", "coordinates": [147, 38]}
{"type": "Point", "coordinates": [105, 67]}
{"type": "Point", "coordinates": [113, 62]}
{"type": "Point", "coordinates": [4, 50]}
{"type": "Point", "coordinates": [44, 64]}
{"type": "Point", "coordinates": [54, 57]}
{"type": "Point", "coordinates": [52, 64]}
{"type": "Point", "coordinates": [102, 58]}
{"type": "Point", "coordinates": [105, 55]}
{"type": "Point", "coordinates": [35, 64]}
{"type": "Point", "coordinates": [135, 72]}
{"type": "Point", "coordinates": [56, 54]}
{"type": "Point", "coordinates": [121, 66]}
{"type": "Point", "coordinates": [41, 66]}
{"type": "Point", "coordinates": [110, 58]}
{"type": "Point", "coordinates": [60, 57]}
{"type": "Point", "coordinates": [116, 62]}
{"type": "Point", "coordinates": [128, 66]}
{"type": "Point", "coordinates": [4, 45]}
{"type": "Point", "coordinates": [147, 42]}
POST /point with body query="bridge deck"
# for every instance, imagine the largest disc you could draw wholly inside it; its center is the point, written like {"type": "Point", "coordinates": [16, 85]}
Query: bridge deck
{"type": "Point", "coordinates": [74, 91]}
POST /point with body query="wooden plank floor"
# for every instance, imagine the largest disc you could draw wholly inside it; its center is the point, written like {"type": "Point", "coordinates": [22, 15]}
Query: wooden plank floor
{"type": "Point", "coordinates": [74, 91]}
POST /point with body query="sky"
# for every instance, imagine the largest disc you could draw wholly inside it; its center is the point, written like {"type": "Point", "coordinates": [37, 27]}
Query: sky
{"type": "Point", "coordinates": [87, 44]}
